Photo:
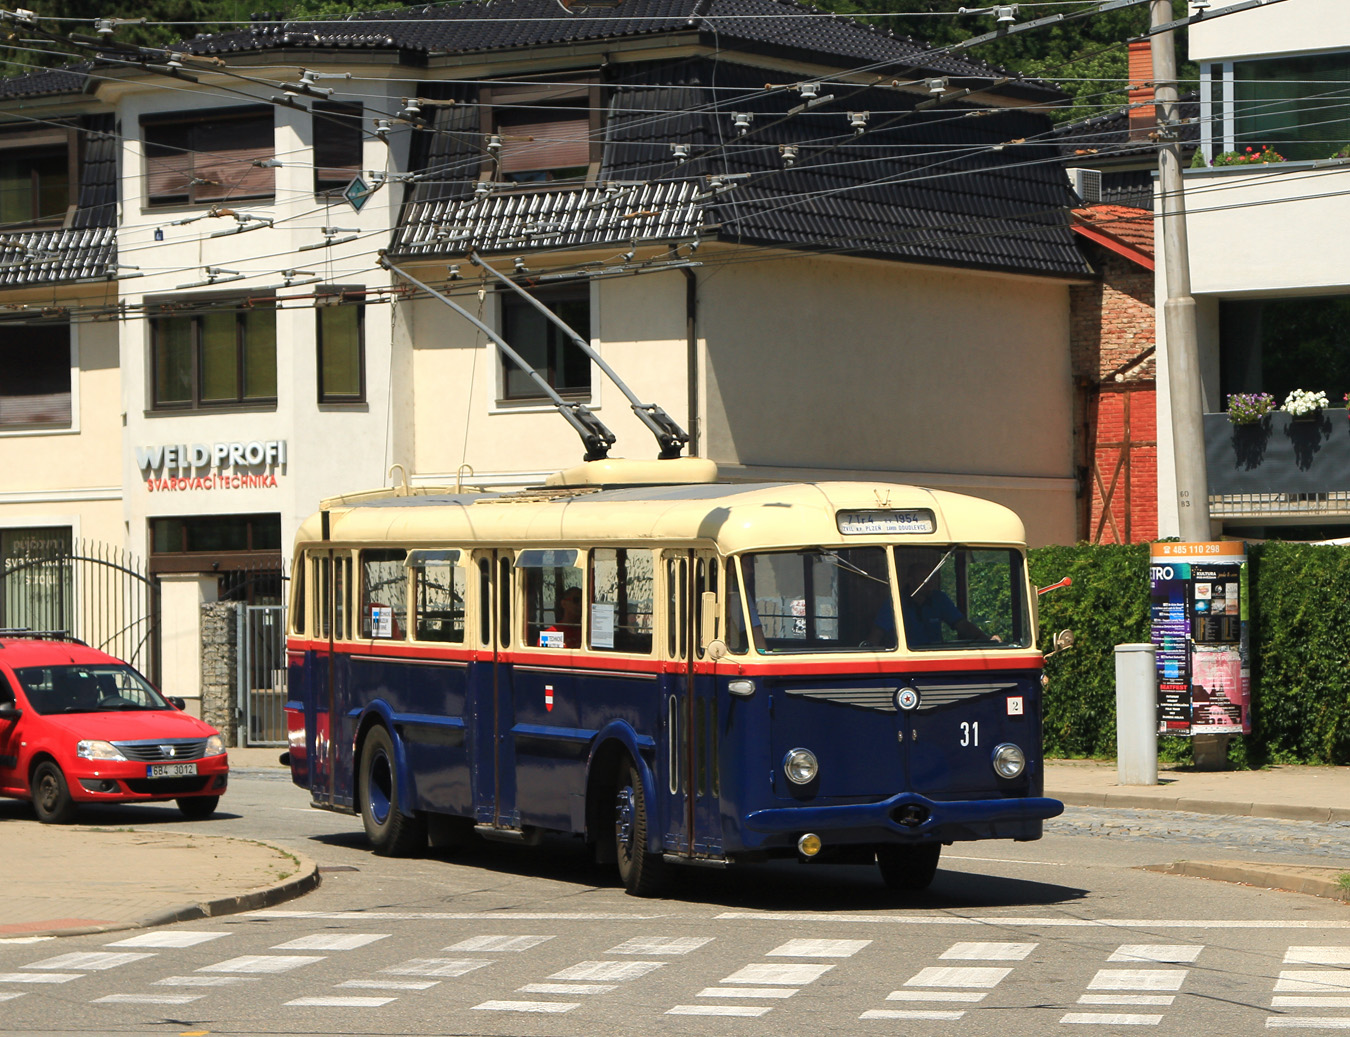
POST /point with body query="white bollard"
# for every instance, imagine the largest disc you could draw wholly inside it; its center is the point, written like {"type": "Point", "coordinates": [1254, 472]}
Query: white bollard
{"type": "Point", "coordinates": [1136, 715]}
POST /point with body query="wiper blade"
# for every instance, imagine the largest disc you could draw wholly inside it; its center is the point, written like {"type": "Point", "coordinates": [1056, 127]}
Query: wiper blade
{"type": "Point", "coordinates": [848, 566]}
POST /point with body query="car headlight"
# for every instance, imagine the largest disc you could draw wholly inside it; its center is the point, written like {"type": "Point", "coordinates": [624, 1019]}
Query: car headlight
{"type": "Point", "coordinates": [800, 766]}
{"type": "Point", "coordinates": [215, 745]}
{"type": "Point", "coordinates": [1009, 761]}
{"type": "Point", "coordinates": [88, 749]}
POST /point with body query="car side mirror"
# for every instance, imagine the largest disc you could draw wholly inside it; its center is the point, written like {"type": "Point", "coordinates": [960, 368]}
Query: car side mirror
{"type": "Point", "coordinates": [10, 712]}
{"type": "Point", "coordinates": [177, 703]}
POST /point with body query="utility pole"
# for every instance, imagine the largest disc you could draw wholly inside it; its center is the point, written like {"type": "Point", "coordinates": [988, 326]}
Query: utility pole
{"type": "Point", "coordinates": [1185, 398]}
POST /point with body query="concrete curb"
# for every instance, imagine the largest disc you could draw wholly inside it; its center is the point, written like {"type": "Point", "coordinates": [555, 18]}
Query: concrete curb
{"type": "Point", "coordinates": [1139, 801]}
{"type": "Point", "coordinates": [303, 881]}
{"type": "Point", "coordinates": [1317, 882]}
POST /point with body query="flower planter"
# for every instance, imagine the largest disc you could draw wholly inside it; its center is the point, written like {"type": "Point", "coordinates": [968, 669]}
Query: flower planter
{"type": "Point", "coordinates": [1282, 454]}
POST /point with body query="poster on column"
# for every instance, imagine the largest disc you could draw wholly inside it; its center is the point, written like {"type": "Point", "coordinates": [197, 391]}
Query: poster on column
{"type": "Point", "coordinates": [1199, 630]}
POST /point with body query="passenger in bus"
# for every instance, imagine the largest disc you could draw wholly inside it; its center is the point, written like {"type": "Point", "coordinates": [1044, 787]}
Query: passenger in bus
{"type": "Point", "coordinates": [569, 617]}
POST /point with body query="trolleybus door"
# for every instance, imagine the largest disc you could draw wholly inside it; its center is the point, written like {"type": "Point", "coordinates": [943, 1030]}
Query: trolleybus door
{"type": "Point", "coordinates": [489, 699]}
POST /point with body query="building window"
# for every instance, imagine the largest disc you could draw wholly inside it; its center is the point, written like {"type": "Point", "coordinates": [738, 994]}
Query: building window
{"type": "Point", "coordinates": [195, 158]}
{"type": "Point", "coordinates": [35, 376]}
{"type": "Point", "coordinates": [1270, 345]}
{"type": "Point", "coordinates": [337, 144]}
{"type": "Point", "coordinates": [545, 347]}
{"type": "Point", "coordinates": [218, 358]}
{"type": "Point", "coordinates": [36, 578]}
{"type": "Point", "coordinates": [36, 178]}
{"type": "Point", "coordinates": [342, 347]}
{"type": "Point", "coordinates": [548, 132]}
{"type": "Point", "coordinates": [1297, 105]}
{"type": "Point", "coordinates": [242, 551]}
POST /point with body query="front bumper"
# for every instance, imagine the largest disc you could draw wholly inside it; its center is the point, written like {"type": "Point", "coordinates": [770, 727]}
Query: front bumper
{"type": "Point", "coordinates": [118, 781]}
{"type": "Point", "coordinates": [904, 818]}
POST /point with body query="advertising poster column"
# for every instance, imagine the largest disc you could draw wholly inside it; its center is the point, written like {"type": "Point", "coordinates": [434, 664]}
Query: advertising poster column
{"type": "Point", "coordinates": [1199, 622]}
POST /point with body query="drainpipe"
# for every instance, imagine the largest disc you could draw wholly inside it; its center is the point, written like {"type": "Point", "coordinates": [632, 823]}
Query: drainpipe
{"type": "Point", "coordinates": [691, 355]}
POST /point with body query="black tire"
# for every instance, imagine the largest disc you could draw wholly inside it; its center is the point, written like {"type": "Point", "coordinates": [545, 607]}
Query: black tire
{"type": "Point", "coordinates": [643, 872]}
{"type": "Point", "coordinates": [391, 833]}
{"type": "Point", "coordinates": [198, 808]}
{"type": "Point", "coordinates": [51, 795]}
{"type": "Point", "coordinates": [908, 868]}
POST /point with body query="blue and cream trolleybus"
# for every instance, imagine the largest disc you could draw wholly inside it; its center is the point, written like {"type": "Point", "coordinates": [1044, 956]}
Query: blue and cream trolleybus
{"type": "Point", "coordinates": [674, 669]}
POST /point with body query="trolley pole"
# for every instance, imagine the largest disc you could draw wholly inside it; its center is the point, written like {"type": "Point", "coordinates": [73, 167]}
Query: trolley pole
{"type": "Point", "coordinates": [1185, 398]}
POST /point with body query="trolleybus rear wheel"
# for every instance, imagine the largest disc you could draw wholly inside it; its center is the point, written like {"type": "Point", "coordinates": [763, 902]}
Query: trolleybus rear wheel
{"type": "Point", "coordinates": [908, 867]}
{"type": "Point", "coordinates": [643, 872]}
{"type": "Point", "coordinates": [391, 833]}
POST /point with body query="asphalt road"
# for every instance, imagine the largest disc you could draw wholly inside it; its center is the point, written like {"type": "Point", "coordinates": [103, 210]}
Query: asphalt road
{"type": "Point", "coordinates": [1032, 938]}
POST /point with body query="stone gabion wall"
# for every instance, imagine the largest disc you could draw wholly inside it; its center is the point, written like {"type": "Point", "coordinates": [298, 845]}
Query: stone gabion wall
{"type": "Point", "coordinates": [220, 667]}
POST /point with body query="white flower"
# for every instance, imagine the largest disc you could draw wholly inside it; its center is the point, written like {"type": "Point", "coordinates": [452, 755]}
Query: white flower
{"type": "Point", "coordinates": [1304, 401]}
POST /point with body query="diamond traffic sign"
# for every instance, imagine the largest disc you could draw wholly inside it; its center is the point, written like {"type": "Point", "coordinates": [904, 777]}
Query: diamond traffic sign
{"type": "Point", "coordinates": [357, 193]}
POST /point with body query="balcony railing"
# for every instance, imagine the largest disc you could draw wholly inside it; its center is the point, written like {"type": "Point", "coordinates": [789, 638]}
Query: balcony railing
{"type": "Point", "coordinates": [1282, 466]}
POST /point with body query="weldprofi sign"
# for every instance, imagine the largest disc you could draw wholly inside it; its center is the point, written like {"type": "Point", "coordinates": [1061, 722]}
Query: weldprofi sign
{"type": "Point", "coordinates": [211, 466]}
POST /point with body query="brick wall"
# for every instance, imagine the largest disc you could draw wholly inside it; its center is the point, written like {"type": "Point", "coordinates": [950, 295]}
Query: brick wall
{"type": "Point", "coordinates": [1112, 325]}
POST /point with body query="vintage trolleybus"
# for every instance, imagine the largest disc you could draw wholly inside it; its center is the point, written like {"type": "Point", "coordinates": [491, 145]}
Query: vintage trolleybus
{"type": "Point", "coordinates": [675, 669]}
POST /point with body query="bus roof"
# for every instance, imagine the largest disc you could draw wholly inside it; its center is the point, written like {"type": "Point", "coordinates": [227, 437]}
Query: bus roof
{"type": "Point", "coordinates": [732, 516]}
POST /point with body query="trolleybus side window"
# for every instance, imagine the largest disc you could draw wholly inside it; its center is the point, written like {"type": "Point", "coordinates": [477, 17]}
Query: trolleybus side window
{"type": "Point", "coordinates": [323, 580]}
{"type": "Point", "coordinates": [622, 600]}
{"type": "Point", "coordinates": [551, 587]}
{"type": "Point", "coordinates": [298, 617]}
{"type": "Point", "coordinates": [503, 602]}
{"type": "Point", "coordinates": [819, 600]}
{"type": "Point", "coordinates": [384, 595]}
{"type": "Point", "coordinates": [342, 582]}
{"type": "Point", "coordinates": [440, 585]}
{"type": "Point", "coordinates": [738, 639]}
{"type": "Point", "coordinates": [485, 602]}
{"type": "Point", "coordinates": [705, 582]}
{"type": "Point", "coordinates": [962, 597]}
{"type": "Point", "coordinates": [676, 598]}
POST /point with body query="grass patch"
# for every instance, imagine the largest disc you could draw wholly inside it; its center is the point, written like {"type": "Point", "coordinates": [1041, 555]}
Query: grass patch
{"type": "Point", "coordinates": [1343, 880]}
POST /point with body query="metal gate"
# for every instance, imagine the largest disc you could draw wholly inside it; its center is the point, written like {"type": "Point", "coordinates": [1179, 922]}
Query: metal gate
{"type": "Point", "coordinates": [262, 675]}
{"type": "Point", "coordinates": [98, 593]}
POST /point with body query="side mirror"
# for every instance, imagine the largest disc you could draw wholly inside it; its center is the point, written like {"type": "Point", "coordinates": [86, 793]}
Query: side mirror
{"type": "Point", "coordinates": [177, 703]}
{"type": "Point", "coordinates": [717, 649]}
{"type": "Point", "coordinates": [1062, 640]}
{"type": "Point", "coordinates": [10, 712]}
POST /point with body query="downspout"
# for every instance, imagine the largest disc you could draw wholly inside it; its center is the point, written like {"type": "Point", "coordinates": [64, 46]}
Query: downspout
{"type": "Point", "coordinates": [691, 355]}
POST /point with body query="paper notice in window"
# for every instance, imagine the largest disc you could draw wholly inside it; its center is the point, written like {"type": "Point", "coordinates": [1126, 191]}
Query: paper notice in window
{"type": "Point", "coordinates": [602, 624]}
{"type": "Point", "coordinates": [381, 621]}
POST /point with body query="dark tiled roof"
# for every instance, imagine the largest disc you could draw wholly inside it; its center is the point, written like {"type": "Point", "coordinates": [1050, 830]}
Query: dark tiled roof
{"type": "Point", "coordinates": [1103, 138]}
{"type": "Point", "coordinates": [68, 80]}
{"type": "Point", "coordinates": [488, 25]}
{"type": "Point", "coordinates": [923, 186]}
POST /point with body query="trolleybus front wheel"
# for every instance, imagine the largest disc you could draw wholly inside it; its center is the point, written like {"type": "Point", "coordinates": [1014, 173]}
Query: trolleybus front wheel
{"type": "Point", "coordinates": [391, 833]}
{"type": "Point", "coordinates": [642, 871]}
{"type": "Point", "coordinates": [908, 867]}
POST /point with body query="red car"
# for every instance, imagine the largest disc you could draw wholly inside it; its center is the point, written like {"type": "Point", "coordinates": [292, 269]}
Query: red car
{"type": "Point", "coordinates": [78, 726]}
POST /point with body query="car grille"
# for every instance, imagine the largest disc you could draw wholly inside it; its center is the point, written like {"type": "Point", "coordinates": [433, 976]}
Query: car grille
{"type": "Point", "coordinates": [160, 750]}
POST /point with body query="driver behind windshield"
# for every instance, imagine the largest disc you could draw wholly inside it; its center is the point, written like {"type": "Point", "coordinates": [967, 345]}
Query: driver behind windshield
{"type": "Point", "coordinates": [925, 606]}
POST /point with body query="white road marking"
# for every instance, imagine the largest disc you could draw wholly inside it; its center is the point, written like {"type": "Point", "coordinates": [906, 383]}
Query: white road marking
{"type": "Point", "coordinates": [750, 1011]}
{"type": "Point", "coordinates": [779, 975]}
{"type": "Point", "coordinates": [170, 938]}
{"type": "Point", "coordinates": [773, 992]}
{"type": "Point", "coordinates": [457, 916]}
{"type": "Point", "coordinates": [527, 1006]}
{"type": "Point", "coordinates": [202, 981]}
{"type": "Point", "coordinates": [566, 988]}
{"type": "Point", "coordinates": [1138, 979]}
{"type": "Point", "coordinates": [1112, 1019]}
{"type": "Point", "coordinates": [389, 984]}
{"type": "Point", "coordinates": [1322, 1001]}
{"type": "Point", "coordinates": [39, 977]}
{"type": "Point", "coordinates": [911, 1013]}
{"type": "Point", "coordinates": [968, 996]}
{"type": "Point", "coordinates": [331, 942]}
{"type": "Point", "coordinates": [10, 995]}
{"type": "Point", "coordinates": [91, 960]}
{"type": "Point", "coordinates": [988, 951]}
{"type": "Point", "coordinates": [1127, 999]}
{"type": "Point", "coordinates": [605, 971]}
{"type": "Point", "coordinates": [262, 963]}
{"type": "Point", "coordinates": [818, 949]}
{"type": "Point", "coordinates": [661, 945]}
{"type": "Point", "coordinates": [984, 921]}
{"type": "Point", "coordinates": [26, 939]}
{"type": "Point", "coordinates": [435, 967]}
{"type": "Point", "coordinates": [1179, 953]}
{"type": "Point", "coordinates": [147, 999]}
{"type": "Point", "coordinates": [1312, 981]}
{"type": "Point", "coordinates": [1004, 860]}
{"type": "Point", "coordinates": [957, 976]}
{"type": "Point", "coordinates": [1284, 1022]}
{"type": "Point", "coordinates": [340, 1002]}
{"type": "Point", "coordinates": [1317, 956]}
{"type": "Point", "coordinates": [498, 943]}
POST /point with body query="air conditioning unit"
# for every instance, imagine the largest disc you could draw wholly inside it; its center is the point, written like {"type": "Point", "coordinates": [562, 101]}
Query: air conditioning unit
{"type": "Point", "coordinates": [1087, 183]}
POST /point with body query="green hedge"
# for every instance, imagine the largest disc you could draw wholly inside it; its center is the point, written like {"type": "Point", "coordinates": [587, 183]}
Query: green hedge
{"type": "Point", "coordinates": [1300, 640]}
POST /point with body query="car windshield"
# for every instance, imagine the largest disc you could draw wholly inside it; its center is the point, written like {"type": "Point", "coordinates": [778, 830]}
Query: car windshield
{"type": "Point", "coordinates": [87, 689]}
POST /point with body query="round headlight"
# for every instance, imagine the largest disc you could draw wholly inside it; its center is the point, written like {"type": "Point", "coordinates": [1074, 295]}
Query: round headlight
{"type": "Point", "coordinates": [1008, 760]}
{"type": "Point", "coordinates": [800, 766]}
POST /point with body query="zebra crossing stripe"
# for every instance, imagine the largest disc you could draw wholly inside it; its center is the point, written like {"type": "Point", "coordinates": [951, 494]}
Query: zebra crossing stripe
{"type": "Point", "coordinates": [202, 981]}
{"type": "Point", "coordinates": [1138, 979]}
{"type": "Point", "coordinates": [1312, 981]}
{"type": "Point", "coordinates": [499, 943]}
{"type": "Point", "coordinates": [389, 984]}
{"type": "Point", "coordinates": [957, 976]}
{"type": "Point", "coordinates": [1176, 954]}
{"type": "Point", "coordinates": [340, 1002]}
{"type": "Point", "coordinates": [661, 945]}
{"type": "Point", "coordinates": [1284, 1022]}
{"type": "Point", "coordinates": [1317, 956]}
{"type": "Point", "coordinates": [1109, 1019]}
{"type": "Point", "coordinates": [331, 942]}
{"type": "Point", "coordinates": [778, 975]}
{"type": "Point", "coordinates": [1322, 1001]}
{"type": "Point", "coordinates": [774, 992]}
{"type": "Point", "coordinates": [88, 960]}
{"type": "Point", "coordinates": [39, 977]}
{"type": "Point", "coordinates": [608, 970]}
{"type": "Point", "coordinates": [10, 995]}
{"type": "Point", "coordinates": [968, 996]}
{"type": "Point", "coordinates": [818, 949]}
{"type": "Point", "coordinates": [749, 1011]}
{"type": "Point", "coordinates": [262, 963]}
{"type": "Point", "coordinates": [435, 967]}
{"type": "Point", "coordinates": [554, 1007]}
{"type": "Point", "coordinates": [147, 999]}
{"type": "Point", "coordinates": [988, 951]}
{"type": "Point", "coordinates": [911, 1013]}
{"type": "Point", "coordinates": [1126, 999]}
{"type": "Point", "coordinates": [185, 938]}
{"type": "Point", "coordinates": [566, 988]}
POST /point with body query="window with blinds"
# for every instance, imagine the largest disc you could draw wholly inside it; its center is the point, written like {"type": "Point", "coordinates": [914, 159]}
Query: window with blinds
{"type": "Point", "coordinates": [191, 160]}
{"type": "Point", "coordinates": [337, 144]}
{"type": "Point", "coordinates": [341, 342]}
{"type": "Point", "coordinates": [37, 177]}
{"type": "Point", "coordinates": [549, 131]}
{"type": "Point", "coordinates": [35, 376]}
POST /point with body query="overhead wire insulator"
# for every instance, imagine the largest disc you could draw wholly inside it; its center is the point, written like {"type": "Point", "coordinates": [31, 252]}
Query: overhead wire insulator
{"type": "Point", "coordinates": [936, 86]}
{"type": "Point", "coordinates": [680, 151]}
{"type": "Point", "coordinates": [741, 121]}
{"type": "Point", "coordinates": [858, 121]}
{"type": "Point", "coordinates": [789, 152]}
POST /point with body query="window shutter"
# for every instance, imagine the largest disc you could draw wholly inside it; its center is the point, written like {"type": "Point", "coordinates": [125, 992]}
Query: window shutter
{"type": "Point", "coordinates": [556, 144]}
{"type": "Point", "coordinates": [167, 177]}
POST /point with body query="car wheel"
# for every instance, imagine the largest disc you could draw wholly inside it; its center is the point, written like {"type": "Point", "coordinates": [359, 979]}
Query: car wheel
{"type": "Point", "coordinates": [198, 808]}
{"type": "Point", "coordinates": [391, 833]}
{"type": "Point", "coordinates": [643, 872]}
{"type": "Point", "coordinates": [51, 795]}
{"type": "Point", "coordinates": [908, 868]}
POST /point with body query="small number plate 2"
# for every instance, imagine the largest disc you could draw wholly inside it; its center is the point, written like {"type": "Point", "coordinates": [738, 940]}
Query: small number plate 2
{"type": "Point", "coordinates": [1014, 705]}
{"type": "Point", "coordinates": [170, 770]}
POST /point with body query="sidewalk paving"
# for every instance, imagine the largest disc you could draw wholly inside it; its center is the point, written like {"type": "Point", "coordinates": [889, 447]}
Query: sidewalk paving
{"type": "Point", "coordinates": [123, 878]}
